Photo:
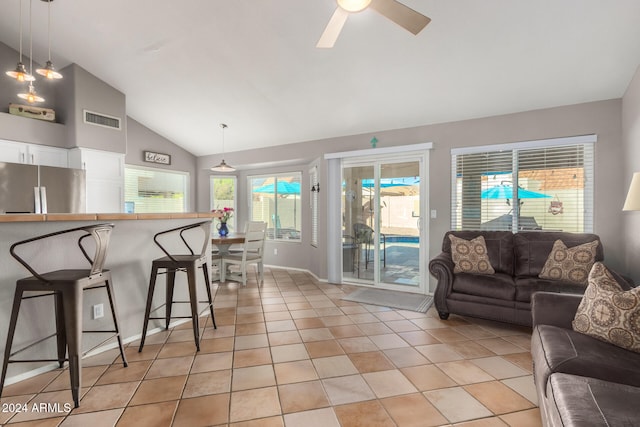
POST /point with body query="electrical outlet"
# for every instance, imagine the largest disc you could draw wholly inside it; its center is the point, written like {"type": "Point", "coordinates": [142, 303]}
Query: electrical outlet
{"type": "Point", "coordinates": [98, 311]}
{"type": "Point", "coordinates": [275, 251]}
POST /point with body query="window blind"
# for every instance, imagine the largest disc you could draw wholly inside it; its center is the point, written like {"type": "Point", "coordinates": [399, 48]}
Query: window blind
{"type": "Point", "coordinates": [313, 180]}
{"type": "Point", "coordinates": [150, 190]}
{"type": "Point", "coordinates": [538, 186]}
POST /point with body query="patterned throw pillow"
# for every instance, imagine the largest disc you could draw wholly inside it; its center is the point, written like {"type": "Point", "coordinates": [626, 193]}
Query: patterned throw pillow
{"type": "Point", "coordinates": [609, 313]}
{"type": "Point", "coordinates": [470, 256]}
{"type": "Point", "coordinates": [570, 264]}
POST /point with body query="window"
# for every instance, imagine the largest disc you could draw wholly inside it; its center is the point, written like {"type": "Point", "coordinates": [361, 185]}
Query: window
{"type": "Point", "coordinates": [535, 185]}
{"type": "Point", "coordinates": [275, 200]}
{"type": "Point", "coordinates": [315, 189]}
{"type": "Point", "coordinates": [149, 190]}
{"type": "Point", "coordinates": [223, 195]}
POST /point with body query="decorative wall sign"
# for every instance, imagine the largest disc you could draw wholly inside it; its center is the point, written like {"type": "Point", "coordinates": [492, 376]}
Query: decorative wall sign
{"type": "Point", "coordinates": [151, 157]}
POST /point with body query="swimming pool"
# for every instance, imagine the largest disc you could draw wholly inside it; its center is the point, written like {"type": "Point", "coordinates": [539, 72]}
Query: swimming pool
{"type": "Point", "coordinates": [402, 239]}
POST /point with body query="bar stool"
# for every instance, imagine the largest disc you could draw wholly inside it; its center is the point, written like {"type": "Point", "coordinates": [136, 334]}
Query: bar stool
{"type": "Point", "coordinates": [66, 286]}
{"type": "Point", "coordinates": [171, 264]}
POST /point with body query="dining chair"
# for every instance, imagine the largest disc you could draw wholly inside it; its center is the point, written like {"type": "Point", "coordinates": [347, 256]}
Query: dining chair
{"type": "Point", "coordinates": [252, 253]}
{"type": "Point", "coordinates": [66, 286]}
{"type": "Point", "coordinates": [216, 263]}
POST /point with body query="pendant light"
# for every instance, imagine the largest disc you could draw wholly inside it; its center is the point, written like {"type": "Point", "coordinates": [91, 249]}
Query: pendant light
{"type": "Point", "coordinates": [223, 167]}
{"type": "Point", "coordinates": [20, 73]}
{"type": "Point", "coordinates": [31, 96]}
{"type": "Point", "coordinates": [48, 71]}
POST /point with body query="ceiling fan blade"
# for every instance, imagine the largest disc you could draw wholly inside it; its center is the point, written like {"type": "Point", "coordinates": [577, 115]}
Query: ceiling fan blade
{"type": "Point", "coordinates": [332, 31]}
{"type": "Point", "coordinates": [402, 15]}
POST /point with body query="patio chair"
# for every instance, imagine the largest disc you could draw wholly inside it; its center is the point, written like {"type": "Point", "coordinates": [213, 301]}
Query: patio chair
{"type": "Point", "coordinates": [364, 235]}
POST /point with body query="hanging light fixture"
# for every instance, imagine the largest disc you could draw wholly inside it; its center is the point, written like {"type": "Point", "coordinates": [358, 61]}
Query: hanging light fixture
{"type": "Point", "coordinates": [31, 96]}
{"type": "Point", "coordinates": [223, 167]}
{"type": "Point", "coordinates": [20, 73]}
{"type": "Point", "coordinates": [48, 71]}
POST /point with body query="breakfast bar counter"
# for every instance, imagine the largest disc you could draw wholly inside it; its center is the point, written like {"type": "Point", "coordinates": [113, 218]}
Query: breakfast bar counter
{"type": "Point", "coordinates": [101, 216]}
{"type": "Point", "coordinates": [129, 258]}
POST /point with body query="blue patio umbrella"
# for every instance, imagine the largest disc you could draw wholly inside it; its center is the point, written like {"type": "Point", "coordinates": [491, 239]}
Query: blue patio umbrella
{"type": "Point", "coordinates": [390, 182]}
{"type": "Point", "coordinates": [282, 188]}
{"type": "Point", "coordinates": [506, 192]}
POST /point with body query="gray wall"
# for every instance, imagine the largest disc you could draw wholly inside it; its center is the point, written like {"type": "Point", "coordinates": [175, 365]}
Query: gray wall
{"type": "Point", "coordinates": [84, 91]}
{"type": "Point", "coordinates": [141, 138]}
{"type": "Point", "coordinates": [631, 163]}
{"type": "Point", "coordinates": [602, 118]}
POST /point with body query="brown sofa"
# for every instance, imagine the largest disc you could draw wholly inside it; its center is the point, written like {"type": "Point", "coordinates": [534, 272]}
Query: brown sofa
{"type": "Point", "coordinates": [580, 380]}
{"type": "Point", "coordinates": [518, 259]}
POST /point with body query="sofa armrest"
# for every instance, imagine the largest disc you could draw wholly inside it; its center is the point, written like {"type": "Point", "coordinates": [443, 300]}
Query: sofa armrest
{"type": "Point", "coordinates": [441, 267]}
{"type": "Point", "coordinates": [552, 308]}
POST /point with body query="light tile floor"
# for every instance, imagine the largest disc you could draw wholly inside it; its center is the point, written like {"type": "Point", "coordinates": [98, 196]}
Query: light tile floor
{"type": "Point", "coordinates": [291, 353]}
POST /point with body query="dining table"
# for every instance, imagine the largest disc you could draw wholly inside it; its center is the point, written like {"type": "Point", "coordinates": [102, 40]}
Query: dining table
{"type": "Point", "coordinates": [223, 243]}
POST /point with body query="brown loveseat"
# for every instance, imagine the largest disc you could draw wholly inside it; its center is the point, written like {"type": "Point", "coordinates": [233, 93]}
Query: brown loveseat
{"type": "Point", "coordinates": [518, 259]}
{"type": "Point", "coordinates": [580, 380]}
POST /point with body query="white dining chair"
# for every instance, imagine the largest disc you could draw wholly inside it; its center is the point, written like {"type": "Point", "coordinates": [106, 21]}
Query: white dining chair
{"type": "Point", "coordinates": [252, 253]}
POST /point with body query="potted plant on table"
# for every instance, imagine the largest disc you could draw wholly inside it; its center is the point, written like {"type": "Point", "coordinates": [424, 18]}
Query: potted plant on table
{"type": "Point", "coordinates": [224, 215]}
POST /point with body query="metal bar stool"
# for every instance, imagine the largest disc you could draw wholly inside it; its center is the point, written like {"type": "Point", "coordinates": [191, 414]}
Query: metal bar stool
{"type": "Point", "coordinates": [66, 286]}
{"type": "Point", "coordinates": [172, 264]}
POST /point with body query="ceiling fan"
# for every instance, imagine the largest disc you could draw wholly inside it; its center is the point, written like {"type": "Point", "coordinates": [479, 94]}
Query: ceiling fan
{"type": "Point", "coordinates": [397, 12]}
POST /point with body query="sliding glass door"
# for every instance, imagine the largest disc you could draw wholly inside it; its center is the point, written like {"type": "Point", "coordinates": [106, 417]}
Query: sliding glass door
{"type": "Point", "coordinates": [382, 236]}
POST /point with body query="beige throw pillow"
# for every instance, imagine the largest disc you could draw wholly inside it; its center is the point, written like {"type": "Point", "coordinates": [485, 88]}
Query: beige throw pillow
{"type": "Point", "coordinates": [609, 313]}
{"type": "Point", "coordinates": [470, 256]}
{"type": "Point", "coordinates": [570, 264]}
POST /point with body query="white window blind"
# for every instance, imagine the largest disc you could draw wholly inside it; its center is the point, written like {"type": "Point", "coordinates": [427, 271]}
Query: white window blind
{"type": "Point", "coordinates": [315, 189]}
{"type": "Point", "coordinates": [149, 190]}
{"type": "Point", "coordinates": [538, 185]}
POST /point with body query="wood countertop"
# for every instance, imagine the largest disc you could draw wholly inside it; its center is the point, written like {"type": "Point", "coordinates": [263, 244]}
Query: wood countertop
{"type": "Point", "coordinates": [101, 216]}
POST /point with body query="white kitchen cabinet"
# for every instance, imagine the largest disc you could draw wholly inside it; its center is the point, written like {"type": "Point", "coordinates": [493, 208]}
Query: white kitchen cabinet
{"type": "Point", "coordinates": [105, 178]}
{"type": "Point", "coordinates": [48, 156]}
{"type": "Point", "coordinates": [12, 152]}
{"type": "Point", "coordinates": [33, 154]}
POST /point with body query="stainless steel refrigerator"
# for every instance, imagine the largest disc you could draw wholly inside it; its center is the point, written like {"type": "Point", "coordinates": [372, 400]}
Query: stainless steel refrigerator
{"type": "Point", "coordinates": [41, 189]}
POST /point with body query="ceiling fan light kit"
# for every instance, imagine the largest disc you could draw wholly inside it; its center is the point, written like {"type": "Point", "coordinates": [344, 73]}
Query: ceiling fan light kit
{"type": "Point", "coordinates": [354, 5]}
{"type": "Point", "coordinates": [393, 10]}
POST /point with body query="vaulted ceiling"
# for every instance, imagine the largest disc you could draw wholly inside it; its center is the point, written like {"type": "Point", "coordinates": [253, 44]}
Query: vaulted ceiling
{"type": "Point", "coordinates": [187, 66]}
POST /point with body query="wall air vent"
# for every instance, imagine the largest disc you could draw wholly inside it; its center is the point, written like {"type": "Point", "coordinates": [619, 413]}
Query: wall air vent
{"type": "Point", "coordinates": [103, 120]}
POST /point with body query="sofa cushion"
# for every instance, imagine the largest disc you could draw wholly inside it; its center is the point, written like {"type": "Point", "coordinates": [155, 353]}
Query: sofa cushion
{"type": "Point", "coordinates": [570, 264]}
{"type": "Point", "coordinates": [527, 286]}
{"type": "Point", "coordinates": [470, 256]}
{"type": "Point", "coordinates": [499, 285]}
{"type": "Point", "coordinates": [532, 249]}
{"type": "Point", "coordinates": [609, 313]}
{"type": "Point", "coordinates": [499, 247]}
{"type": "Point", "coordinates": [566, 351]}
{"type": "Point", "coordinates": [579, 401]}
